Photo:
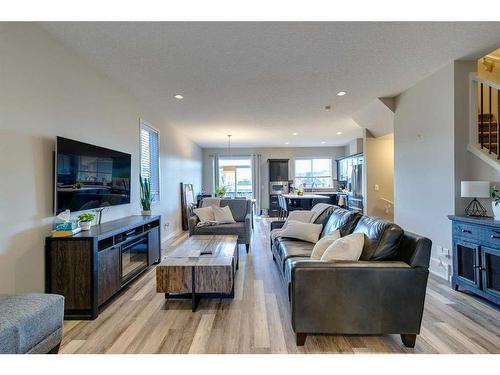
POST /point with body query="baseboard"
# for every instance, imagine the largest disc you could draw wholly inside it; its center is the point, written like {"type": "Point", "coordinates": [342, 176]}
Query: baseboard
{"type": "Point", "coordinates": [171, 235]}
{"type": "Point", "coordinates": [438, 268]}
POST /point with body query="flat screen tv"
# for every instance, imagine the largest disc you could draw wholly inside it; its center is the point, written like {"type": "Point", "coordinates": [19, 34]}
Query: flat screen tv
{"type": "Point", "coordinates": [89, 176]}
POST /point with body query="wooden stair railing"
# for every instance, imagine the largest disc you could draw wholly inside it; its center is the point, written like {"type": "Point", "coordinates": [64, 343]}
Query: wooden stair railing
{"type": "Point", "coordinates": [488, 134]}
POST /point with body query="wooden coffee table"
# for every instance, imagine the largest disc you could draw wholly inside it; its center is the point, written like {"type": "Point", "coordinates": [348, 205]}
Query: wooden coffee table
{"type": "Point", "coordinates": [202, 266]}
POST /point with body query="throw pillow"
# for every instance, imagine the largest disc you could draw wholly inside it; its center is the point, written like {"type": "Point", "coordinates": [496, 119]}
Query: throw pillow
{"type": "Point", "coordinates": [323, 244]}
{"type": "Point", "coordinates": [300, 215]}
{"type": "Point", "coordinates": [302, 231]}
{"type": "Point", "coordinates": [205, 214]}
{"type": "Point", "coordinates": [345, 248]}
{"type": "Point", "coordinates": [223, 215]}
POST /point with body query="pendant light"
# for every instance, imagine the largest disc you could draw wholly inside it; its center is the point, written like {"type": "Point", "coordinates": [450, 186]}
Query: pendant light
{"type": "Point", "coordinates": [229, 168]}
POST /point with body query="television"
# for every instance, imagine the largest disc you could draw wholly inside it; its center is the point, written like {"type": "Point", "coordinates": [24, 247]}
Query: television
{"type": "Point", "coordinates": [89, 177]}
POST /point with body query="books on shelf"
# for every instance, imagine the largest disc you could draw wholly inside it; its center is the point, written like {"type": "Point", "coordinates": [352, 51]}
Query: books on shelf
{"type": "Point", "coordinates": [65, 233]}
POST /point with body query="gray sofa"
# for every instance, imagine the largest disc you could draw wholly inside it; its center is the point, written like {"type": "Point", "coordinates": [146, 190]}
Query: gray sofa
{"type": "Point", "coordinates": [31, 323]}
{"type": "Point", "coordinates": [383, 293]}
{"type": "Point", "coordinates": [242, 214]}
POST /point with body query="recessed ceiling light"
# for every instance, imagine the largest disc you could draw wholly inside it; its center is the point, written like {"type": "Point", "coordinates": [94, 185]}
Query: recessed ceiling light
{"type": "Point", "coordinates": [295, 133]}
{"type": "Point", "coordinates": [179, 96]}
{"type": "Point", "coordinates": [287, 143]}
{"type": "Point", "coordinates": [341, 93]}
{"type": "Point", "coordinates": [323, 142]}
{"type": "Point", "coordinates": [339, 133]}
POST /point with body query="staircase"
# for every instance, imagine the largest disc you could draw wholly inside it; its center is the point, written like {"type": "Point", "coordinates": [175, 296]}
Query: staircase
{"type": "Point", "coordinates": [484, 132]}
{"type": "Point", "coordinates": [487, 131]}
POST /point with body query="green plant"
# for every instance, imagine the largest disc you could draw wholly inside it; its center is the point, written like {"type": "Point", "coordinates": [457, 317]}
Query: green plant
{"type": "Point", "coordinates": [86, 217]}
{"type": "Point", "coordinates": [495, 194]}
{"type": "Point", "coordinates": [145, 193]}
{"type": "Point", "coordinates": [220, 191]}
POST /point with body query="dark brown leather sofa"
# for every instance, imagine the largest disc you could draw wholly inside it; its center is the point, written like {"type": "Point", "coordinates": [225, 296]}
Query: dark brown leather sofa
{"type": "Point", "coordinates": [382, 293]}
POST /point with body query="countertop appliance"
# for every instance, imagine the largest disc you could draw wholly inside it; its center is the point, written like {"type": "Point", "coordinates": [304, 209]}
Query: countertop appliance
{"type": "Point", "coordinates": [279, 187]}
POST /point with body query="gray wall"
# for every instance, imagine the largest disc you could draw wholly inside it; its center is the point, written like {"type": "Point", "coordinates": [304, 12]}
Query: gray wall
{"type": "Point", "coordinates": [431, 158]}
{"type": "Point", "coordinates": [269, 153]}
{"type": "Point", "coordinates": [424, 182]}
{"type": "Point", "coordinates": [48, 91]}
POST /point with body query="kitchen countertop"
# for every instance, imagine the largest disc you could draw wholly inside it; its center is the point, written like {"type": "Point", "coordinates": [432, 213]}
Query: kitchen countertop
{"type": "Point", "coordinates": [306, 196]}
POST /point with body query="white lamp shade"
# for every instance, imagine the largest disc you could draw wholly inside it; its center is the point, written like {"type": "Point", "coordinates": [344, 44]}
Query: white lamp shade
{"type": "Point", "coordinates": [475, 189]}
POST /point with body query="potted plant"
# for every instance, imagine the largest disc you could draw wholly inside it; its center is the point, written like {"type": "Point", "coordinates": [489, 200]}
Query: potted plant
{"type": "Point", "coordinates": [85, 220]}
{"type": "Point", "coordinates": [220, 191]}
{"type": "Point", "coordinates": [145, 195]}
{"type": "Point", "coordinates": [495, 205]}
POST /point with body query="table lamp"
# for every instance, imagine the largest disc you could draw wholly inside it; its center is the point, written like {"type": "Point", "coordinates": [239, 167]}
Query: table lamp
{"type": "Point", "coordinates": [475, 189]}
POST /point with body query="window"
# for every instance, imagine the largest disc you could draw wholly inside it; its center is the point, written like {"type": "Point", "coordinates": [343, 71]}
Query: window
{"type": "Point", "coordinates": [150, 158]}
{"type": "Point", "coordinates": [313, 173]}
{"type": "Point", "coordinates": [235, 173]}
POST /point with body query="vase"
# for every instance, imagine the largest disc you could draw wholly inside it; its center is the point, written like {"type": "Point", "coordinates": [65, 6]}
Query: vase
{"type": "Point", "coordinates": [85, 225]}
{"type": "Point", "coordinates": [496, 210]}
{"type": "Point", "coordinates": [146, 212]}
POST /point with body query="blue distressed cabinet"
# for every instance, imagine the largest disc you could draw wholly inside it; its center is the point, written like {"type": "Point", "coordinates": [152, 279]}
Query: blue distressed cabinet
{"type": "Point", "coordinates": [476, 256]}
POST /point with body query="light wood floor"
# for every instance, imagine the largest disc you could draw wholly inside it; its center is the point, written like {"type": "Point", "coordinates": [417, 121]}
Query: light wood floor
{"type": "Point", "coordinates": [258, 320]}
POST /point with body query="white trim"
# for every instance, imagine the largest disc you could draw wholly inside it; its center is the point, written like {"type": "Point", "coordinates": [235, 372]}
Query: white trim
{"type": "Point", "coordinates": [484, 156]}
{"type": "Point", "coordinates": [475, 77]}
{"type": "Point", "coordinates": [144, 124]}
{"type": "Point", "coordinates": [178, 232]}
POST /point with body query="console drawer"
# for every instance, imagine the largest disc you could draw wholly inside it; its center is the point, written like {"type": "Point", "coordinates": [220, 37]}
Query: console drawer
{"type": "Point", "coordinates": [467, 231]}
{"type": "Point", "coordinates": [492, 237]}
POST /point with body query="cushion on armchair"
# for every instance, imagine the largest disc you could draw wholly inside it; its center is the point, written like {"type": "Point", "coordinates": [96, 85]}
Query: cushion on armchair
{"type": "Point", "coordinates": [223, 215]}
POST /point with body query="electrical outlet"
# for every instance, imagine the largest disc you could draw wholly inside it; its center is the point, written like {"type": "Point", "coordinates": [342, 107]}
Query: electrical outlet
{"type": "Point", "coordinates": [166, 225]}
{"type": "Point", "coordinates": [376, 187]}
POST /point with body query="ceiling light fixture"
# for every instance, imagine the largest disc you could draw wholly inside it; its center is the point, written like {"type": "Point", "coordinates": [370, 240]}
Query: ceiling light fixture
{"type": "Point", "coordinates": [287, 143]}
{"type": "Point", "coordinates": [339, 133]}
{"type": "Point", "coordinates": [229, 168]}
{"type": "Point", "coordinates": [341, 93]}
{"type": "Point", "coordinates": [323, 142]}
{"type": "Point", "coordinates": [295, 133]}
{"type": "Point", "coordinates": [179, 96]}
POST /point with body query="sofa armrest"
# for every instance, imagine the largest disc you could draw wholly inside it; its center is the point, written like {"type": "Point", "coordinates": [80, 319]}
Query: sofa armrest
{"type": "Point", "coordinates": [277, 224]}
{"type": "Point", "coordinates": [248, 227]}
{"type": "Point", "coordinates": [192, 222]}
{"type": "Point", "coordinates": [357, 297]}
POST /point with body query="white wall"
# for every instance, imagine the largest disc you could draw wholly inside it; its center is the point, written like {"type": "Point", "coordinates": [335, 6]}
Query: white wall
{"type": "Point", "coordinates": [270, 153]}
{"type": "Point", "coordinates": [379, 167]}
{"type": "Point", "coordinates": [46, 91]}
{"type": "Point", "coordinates": [424, 182]}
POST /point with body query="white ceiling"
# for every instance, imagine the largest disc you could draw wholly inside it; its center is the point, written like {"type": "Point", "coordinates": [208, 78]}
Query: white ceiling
{"type": "Point", "coordinates": [263, 81]}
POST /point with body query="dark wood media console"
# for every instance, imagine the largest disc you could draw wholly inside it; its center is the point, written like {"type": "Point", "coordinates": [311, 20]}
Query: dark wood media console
{"type": "Point", "coordinates": [92, 266]}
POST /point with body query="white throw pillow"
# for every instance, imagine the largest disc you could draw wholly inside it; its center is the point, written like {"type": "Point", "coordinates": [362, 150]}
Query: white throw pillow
{"type": "Point", "coordinates": [205, 214]}
{"type": "Point", "coordinates": [300, 215]}
{"type": "Point", "coordinates": [323, 244]}
{"type": "Point", "coordinates": [223, 215]}
{"type": "Point", "coordinates": [302, 231]}
{"type": "Point", "coordinates": [345, 248]}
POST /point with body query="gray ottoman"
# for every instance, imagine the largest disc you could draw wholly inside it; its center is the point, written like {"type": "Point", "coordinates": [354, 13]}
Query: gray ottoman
{"type": "Point", "coordinates": [31, 323]}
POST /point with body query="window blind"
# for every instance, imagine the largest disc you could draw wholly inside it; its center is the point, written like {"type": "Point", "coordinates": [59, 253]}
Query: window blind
{"type": "Point", "coordinates": [150, 158]}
